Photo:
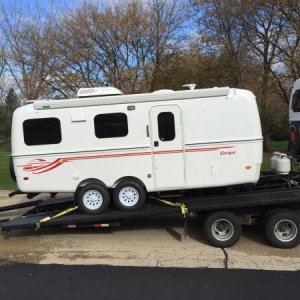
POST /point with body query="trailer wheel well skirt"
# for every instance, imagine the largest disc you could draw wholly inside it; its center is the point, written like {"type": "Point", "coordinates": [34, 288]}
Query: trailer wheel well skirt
{"type": "Point", "coordinates": [88, 181]}
{"type": "Point", "coordinates": [129, 178]}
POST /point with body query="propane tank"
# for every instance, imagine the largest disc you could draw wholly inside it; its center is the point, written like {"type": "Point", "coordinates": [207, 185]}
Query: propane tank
{"type": "Point", "coordinates": [273, 160]}
{"type": "Point", "coordinates": [283, 164]}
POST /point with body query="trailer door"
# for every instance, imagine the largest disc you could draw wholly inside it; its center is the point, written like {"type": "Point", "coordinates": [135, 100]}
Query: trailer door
{"type": "Point", "coordinates": [167, 146]}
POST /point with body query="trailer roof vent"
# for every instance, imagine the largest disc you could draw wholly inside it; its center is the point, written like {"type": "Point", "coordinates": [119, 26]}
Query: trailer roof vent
{"type": "Point", "coordinates": [163, 91]}
{"type": "Point", "coordinates": [98, 92]}
{"type": "Point", "coordinates": [190, 86]}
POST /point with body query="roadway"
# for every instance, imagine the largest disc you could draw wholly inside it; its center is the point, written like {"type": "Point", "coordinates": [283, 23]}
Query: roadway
{"type": "Point", "coordinates": [107, 282]}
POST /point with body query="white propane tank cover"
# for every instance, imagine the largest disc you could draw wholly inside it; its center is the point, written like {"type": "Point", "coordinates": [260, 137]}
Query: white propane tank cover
{"type": "Point", "coordinates": [283, 164]}
{"type": "Point", "coordinates": [273, 160]}
{"type": "Point", "coordinates": [98, 92]}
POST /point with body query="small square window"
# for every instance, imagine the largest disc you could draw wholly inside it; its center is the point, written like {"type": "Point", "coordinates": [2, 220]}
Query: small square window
{"type": "Point", "coordinates": [111, 125]}
{"type": "Point", "coordinates": [43, 131]}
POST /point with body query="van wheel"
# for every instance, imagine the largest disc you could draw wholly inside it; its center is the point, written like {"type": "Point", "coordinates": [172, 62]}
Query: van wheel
{"type": "Point", "coordinates": [129, 195]}
{"type": "Point", "coordinates": [282, 229]}
{"type": "Point", "coordinates": [222, 229]}
{"type": "Point", "coordinates": [93, 199]}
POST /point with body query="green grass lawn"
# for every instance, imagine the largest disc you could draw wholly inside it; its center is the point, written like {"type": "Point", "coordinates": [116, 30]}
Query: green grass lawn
{"type": "Point", "coordinates": [7, 183]}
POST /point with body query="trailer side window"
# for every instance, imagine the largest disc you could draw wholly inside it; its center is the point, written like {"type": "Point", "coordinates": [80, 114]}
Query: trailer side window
{"type": "Point", "coordinates": [44, 131]}
{"type": "Point", "coordinates": [296, 101]}
{"type": "Point", "coordinates": [111, 125]}
{"type": "Point", "coordinates": [166, 126]}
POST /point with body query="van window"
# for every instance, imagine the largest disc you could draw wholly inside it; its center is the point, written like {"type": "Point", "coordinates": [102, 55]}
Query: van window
{"type": "Point", "coordinates": [44, 131]}
{"type": "Point", "coordinates": [166, 126]}
{"type": "Point", "coordinates": [111, 125]}
{"type": "Point", "coordinates": [296, 101]}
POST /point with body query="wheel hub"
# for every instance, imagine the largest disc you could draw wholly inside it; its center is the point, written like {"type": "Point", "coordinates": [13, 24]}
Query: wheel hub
{"type": "Point", "coordinates": [222, 230]}
{"type": "Point", "coordinates": [92, 199]}
{"type": "Point", "coordinates": [285, 230]}
{"type": "Point", "coordinates": [129, 196]}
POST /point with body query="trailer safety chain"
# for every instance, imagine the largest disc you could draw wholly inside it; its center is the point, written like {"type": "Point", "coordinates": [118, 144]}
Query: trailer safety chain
{"type": "Point", "coordinates": [183, 208]}
{"type": "Point", "coordinates": [62, 213]}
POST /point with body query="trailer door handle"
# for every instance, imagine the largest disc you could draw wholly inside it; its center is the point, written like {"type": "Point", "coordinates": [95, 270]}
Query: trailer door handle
{"type": "Point", "coordinates": [156, 144]}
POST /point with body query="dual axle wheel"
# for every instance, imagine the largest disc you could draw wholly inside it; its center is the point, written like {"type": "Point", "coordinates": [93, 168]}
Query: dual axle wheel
{"type": "Point", "coordinates": [94, 198]}
{"type": "Point", "coordinates": [223, 229]}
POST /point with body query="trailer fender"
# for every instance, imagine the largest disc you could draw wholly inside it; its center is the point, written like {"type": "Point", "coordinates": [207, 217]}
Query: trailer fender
{"type": "Point", "coordinates": [88, 181]}
{"type": "Point", "coordinates": [129, 178]}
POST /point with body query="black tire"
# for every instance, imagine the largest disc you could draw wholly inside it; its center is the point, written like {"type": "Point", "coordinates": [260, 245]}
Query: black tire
{"type": "Point", "coordinates": [11, 169]}
{"type": "Point", "coordinates": [93, 199]}
{"type": "Point", "coordinates": [135, 202]}
{"type": "Point", "coordinates": [282, 229]}
{"type": "Point", "coordinates": [222, 229]}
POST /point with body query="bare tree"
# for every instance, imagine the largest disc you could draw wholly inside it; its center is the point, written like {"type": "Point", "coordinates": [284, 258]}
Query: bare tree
{"type": "Point", "coordinates": [219, 24]}
{"type": "Point", "coordinates": [125, 45]}
{"type": "Point", "coordinates": [289, 47]}
{"type": "Point", "coordinates": [263, 28]}
{"type": "Point", "coordinates": [22, 37]}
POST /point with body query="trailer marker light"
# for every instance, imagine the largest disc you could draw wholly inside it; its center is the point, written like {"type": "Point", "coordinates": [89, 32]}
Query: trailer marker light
{"type": "Point", "coordinates": [100, 225]}
{"type": "Point", "coordinates": [66, 226]}
{"type": "Point", "coordinates": [248, 167]}
{"type": "Point", "coordinates": [25, 178]}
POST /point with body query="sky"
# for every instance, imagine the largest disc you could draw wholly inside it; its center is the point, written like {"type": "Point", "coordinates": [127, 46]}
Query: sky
{"type": "Point", "coordinates": [47, 4]}
{"type": "Point", "coordinates": [25, 5]}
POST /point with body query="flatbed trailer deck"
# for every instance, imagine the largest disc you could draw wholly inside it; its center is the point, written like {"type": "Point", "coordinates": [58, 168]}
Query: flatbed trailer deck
{"type": "Point", "coordinates": [274, 195]}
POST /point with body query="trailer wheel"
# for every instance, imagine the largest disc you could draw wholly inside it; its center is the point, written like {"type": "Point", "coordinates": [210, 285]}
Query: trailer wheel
{"type": "Point", "coordinates": [282, 229]}
{"type": "Point", "coordinates": [129, 195]}
{"type": "Point", "coordinates": [222, 229]}
{"type": "Point", "coordinates": [93, 199]}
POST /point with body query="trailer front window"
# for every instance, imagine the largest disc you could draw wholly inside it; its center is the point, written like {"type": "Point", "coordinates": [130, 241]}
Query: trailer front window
{"type": "Point", "coordinates": [111, 125]}
{"type": "Point", "coordinates": [43, 131]}
{"type": "Point", "coordinates": [166, 126]}
{"type": "Point", "coordinates": [296, 101]}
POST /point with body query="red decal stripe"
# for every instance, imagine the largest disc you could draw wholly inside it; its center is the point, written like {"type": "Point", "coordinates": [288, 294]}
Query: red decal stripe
{"type": "Point", "coordinates": [39, 165]}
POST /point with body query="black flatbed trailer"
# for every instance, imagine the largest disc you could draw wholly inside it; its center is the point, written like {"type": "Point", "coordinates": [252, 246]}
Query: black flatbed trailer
{"type": "Point", "coordinates": [272, 196]}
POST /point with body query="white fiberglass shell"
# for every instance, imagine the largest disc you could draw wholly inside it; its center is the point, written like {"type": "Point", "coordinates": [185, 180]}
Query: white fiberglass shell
{"type": "Point", "coordinates": [218, 142]}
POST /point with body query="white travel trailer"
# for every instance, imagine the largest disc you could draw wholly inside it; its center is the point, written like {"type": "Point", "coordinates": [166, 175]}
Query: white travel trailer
{"type": "Point", "coordinates": [123, 146]}
{"type": "Point", "coordinates": [294, 119]}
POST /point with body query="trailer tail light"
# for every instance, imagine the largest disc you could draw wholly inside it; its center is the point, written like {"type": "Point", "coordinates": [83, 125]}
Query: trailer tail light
{"type": "Point", "coordinates": [25, 178]}
{"type": "Point", "coordinates": [293, 136]}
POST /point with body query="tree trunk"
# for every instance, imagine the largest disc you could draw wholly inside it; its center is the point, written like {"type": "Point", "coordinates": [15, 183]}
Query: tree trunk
{"type": "Point", "coordinates": [263, 107]}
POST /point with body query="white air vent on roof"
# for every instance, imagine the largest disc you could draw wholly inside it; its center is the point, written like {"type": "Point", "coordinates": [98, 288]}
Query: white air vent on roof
{"type": "Point", "coordinates": [98, 92]}
{"type": "Point", "coordinates": [163, 92]}
{"type": "Point", "coordinates": [190, 86]}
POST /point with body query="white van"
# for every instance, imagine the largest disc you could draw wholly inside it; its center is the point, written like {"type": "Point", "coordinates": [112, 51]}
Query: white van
{"type": "Point", "coordinates": [123, 146]}
{"type": "Point", "coordinates": [294, 119]}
